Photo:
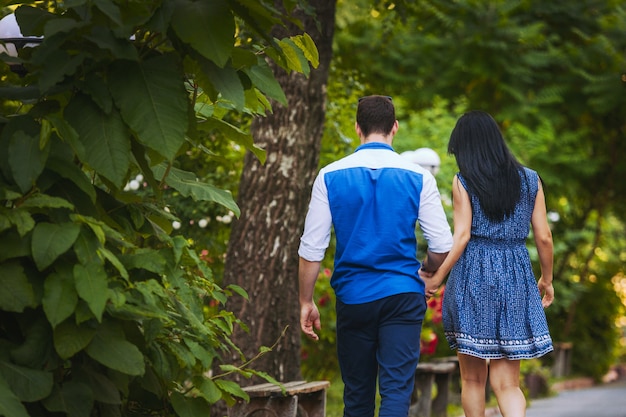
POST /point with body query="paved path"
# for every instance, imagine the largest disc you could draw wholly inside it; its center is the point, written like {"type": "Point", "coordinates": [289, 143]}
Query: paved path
{"type": "Point", "coordinates": [605, 400]}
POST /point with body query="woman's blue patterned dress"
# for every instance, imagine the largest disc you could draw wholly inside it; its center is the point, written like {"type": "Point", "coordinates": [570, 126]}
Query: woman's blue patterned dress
{"type": "Point", "coordinates": [491, 305]}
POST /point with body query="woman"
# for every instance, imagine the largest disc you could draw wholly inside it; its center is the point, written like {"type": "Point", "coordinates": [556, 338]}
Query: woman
{"type": "Point", "coordinates": [492, 306]}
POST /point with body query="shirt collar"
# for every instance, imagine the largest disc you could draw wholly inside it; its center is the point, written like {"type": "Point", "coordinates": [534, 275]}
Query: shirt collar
{"type": "Point", "coordinates": [374, 145]}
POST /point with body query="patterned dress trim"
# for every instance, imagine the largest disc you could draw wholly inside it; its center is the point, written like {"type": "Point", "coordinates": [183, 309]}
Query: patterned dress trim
{"type": "Point", "coordinates": [530, 348]}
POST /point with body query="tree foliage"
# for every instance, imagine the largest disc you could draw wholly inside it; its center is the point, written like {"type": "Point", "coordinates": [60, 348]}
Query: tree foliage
{"type": "Point", "coordinates": [103, 311]}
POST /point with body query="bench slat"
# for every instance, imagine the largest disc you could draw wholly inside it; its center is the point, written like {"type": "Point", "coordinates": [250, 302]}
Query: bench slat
{"type": "Point", "coordinates": [291, 388]}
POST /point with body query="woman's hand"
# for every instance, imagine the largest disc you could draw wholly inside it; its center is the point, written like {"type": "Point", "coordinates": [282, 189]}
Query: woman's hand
{"type": "Point", "coordinates": [432, 281]}
{"type": "Point", "coordinates": [546, 290]}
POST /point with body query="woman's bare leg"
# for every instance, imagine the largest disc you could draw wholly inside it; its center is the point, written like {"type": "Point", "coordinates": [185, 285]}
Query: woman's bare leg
{"type": "Point", "coordinates": [473, 382]}
{"type": "Point", "coordinates": [504, 377]}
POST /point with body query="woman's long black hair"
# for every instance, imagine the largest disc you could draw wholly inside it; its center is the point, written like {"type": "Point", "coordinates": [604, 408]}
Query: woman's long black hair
{"type": "Point", "coordinates": [490, 170]}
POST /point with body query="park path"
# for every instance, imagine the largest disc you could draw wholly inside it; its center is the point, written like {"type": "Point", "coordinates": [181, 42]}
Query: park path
{"type": "Point", "coordinates": [603, 400]}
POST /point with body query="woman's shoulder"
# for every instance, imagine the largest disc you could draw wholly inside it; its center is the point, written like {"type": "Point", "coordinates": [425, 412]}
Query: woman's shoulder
{"type": "Point", "coordinates": [530, 173]}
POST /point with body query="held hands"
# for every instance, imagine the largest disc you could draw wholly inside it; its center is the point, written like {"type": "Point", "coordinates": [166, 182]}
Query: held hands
{"type": "Point", "coordinates": [547, 291]}
{"type": "Point", "coordinates": [310, 320]}
{"type": "Point", "coordinates": [433, 282]}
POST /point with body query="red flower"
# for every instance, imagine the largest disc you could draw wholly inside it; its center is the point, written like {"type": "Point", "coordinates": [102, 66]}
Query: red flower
{"type": "Point", "coordinates": [429, 345]}
{"type": "Point", "coordinates": [324, 299]}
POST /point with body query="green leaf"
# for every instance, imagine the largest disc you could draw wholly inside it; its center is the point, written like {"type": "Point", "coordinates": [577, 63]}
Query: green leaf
{"type": "Point", "coordinates": [55, 65]}
{"type": "Point", "coordinates": [18, 217]}
{"type": "Point", "coordinates": [73, 173]}
{"type": "Point", "coordinates": [52, 240]}
{"type": "Point", "coordinates": [92, 286]}
{"type": "Point", "coordinates": [16, 291]}
{"type": "Point", "coordinates": [105, 39]}
{"type": "Point", "coordinates": [115, 261]}
{"type": "Point", "coordinates": [28, 384]}
{"type": "Point", "coordinates": [10, 405]}
{"type": "Point", "coordinates": [232, 388]}
{"type": "Point", "coordinates": [60, 297]}
{"type": "Point", "coordinates": [208, 26]}
{"type": "Point", "coordinates": [110, 348]}
{"type": "Point", "coordinates": [26, 158]}
{"type": "Point", "coordinates": [183, 356]}
{"type": "Point", "coordinates": [70, 338]}
{"type": "Point", "coordinates": [87, 248]}
{"type": "Point", "coordinates": [74, 398]}
{"type": "Point", "coordinates": [237, 289]}
{"type": "Point", "coordinates": [152, 101]}
{"type": "Point", "coordinates": [236, 135]}
{"type": "Point", "coordinates": [189, 406]}
{"type": "Point", "coordinates": [188, 185]}
{"type": "Point", "coordinates": [46, 201]}
{"type": "Point", "coordinates": [104, 390]}
{"type": "Point", "coordinates": [308, 48]}
{"type": "Point", "coordinates": [226, 82]}
{"type": "Point", "coordinates": [12, 245]}
{"type": "Point", "coordinates": [295, 58]}
{"type": "Point", "coordinates": [105, 138]}
{"type": "Point", "coordinates": [35, 350]}
{"type": "Point", "coordinates": [209, 390]}
{"type": "Point", "coordinates": [148, 259]}
{"type": "Point", "coordinates": [263, 78]}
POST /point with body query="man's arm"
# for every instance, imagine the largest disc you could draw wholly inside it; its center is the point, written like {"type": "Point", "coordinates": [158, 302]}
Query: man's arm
{"type": "Point", "coordinates": [433, 261]}
{"type": "Point", "coordinates": [309, 314]}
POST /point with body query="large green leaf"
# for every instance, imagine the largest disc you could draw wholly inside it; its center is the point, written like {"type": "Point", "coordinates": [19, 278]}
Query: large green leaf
{"type": "Point", "coordinates": [92, 286]}
{"type": "Point", "coordinates": [263, 78]}
{"type": "Point", "coordinates": [16, 292]}
{"type": "Point", "coordinates": [56, 65]}
{"type": "Point", "coordinates": [152, 101]}
{"type": "Point", "coordinates": [105, 138]}
{"type": "Point", "coordinates": [75, 398]}
{"type": "Point", "coordinates": [70, 338]}
{"type": "Point", "coordinates": [190, 406]}
{"type": "Point", "coordinates": [208, 26]}
{"type": "Point", "coordinates": [51, 240]}
{"type": "Point", "coordinates": [60, 297]}
{"type": "Point", "coordinates": [28, 384]}
{"type": "Point", "coordinates": [110, 348]}
{"type": "Point", "coordinates": [188, 185]}
{"type": "Point", "coordinates": [104, 390]}
{"type": "Point", "coordinates": [226, 81]}
{"type": "Point", "coordinates": [26, 158]}
{"type": "Point", "coordinates": [10, 405]}
{"type": "Point", "coordinates": [209, 390]}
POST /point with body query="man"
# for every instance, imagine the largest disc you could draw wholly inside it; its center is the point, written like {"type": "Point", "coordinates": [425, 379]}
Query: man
{"type": "Point", "coordinates": [373, 198]}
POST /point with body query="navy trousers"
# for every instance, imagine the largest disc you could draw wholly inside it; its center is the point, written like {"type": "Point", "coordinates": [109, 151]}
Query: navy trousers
{"type": "Point", "coordinates": [379, 340]}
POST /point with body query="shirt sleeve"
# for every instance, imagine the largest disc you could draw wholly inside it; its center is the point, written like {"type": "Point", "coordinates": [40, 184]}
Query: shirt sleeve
{"type": "Point", "coordinates": [317, 225]}
{"type": "Point", "coordinates": [432, 218]}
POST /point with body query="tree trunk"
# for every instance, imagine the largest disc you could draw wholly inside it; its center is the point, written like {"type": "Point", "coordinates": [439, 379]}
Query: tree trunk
{"type": "Point", "coordinates": [262, 253]}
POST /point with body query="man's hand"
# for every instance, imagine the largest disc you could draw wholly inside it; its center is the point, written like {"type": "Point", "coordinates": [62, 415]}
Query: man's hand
{"type": "Point", "coordinates": [310, 320]}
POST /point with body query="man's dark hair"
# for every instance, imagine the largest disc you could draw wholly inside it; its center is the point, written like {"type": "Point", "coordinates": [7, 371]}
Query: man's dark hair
{"type": "Point", "coordinates": [375, 114]}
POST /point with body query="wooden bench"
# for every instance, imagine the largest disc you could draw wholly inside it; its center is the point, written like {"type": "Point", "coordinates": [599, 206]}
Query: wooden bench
{"type": "Point", "coordinates": [427, 376]}
{"type": "Point", "coordinates": [562, 359]}
{"type": "Point", "coordinates": [300, 398]}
